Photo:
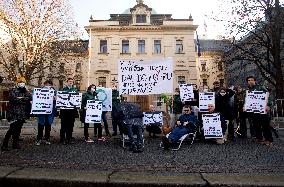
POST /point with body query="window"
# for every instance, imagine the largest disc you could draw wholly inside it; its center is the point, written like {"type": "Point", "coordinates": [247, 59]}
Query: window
{"type": "Point", "coordinates": [78, 67]}
{"type": "Point", "coordinates": [125, 46]}
{"type": "Point", "coordinates": [204, 81]}
{"type": "Point", "coordinates": [157, 46]}
{"type": "Point", "coordinates": [103, 46]}
{"type": "Point", "coordinates": [179, 46]}
{"type": "Point", "coordinates": [141, 18]}
{"type": "Point", "coordinates": [203, 67]}
{"type": "Point", "coordinates": [221, 82]}
{"type": "Point", "coordinates": [141, 46]}
{"type": "Point", "coordinates": [102, 81]}
{"type": "Point", "coordinates": [220, 66]}
{"type": "Point", "coordinates": [181, 79]}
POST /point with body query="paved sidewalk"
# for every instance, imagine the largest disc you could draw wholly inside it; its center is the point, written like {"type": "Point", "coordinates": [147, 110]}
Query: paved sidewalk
{"type": "Point", "coordinates": [238, 163]}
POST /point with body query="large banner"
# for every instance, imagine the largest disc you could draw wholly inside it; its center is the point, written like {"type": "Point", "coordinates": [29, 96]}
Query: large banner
{"type": "Point", "coordinates": [68, 100]}
{"type": "Point", "coordinates": [206, 98]}
{"type": "Point", "coordinates": [42, 101]}
{"type": "Point", "coordinates": [93, 112]}
{"type": "Point", "coordinates": [153, 118]}
{"type": "Point", "coordinates": [256, 101]}
{"type": "Point", "coordinates": [212, 126]}
{"type": "Point", "coordinates": [105, 96]}
{"type": "Point", "coordinates": [186, 92]}
{"type": "Point", "coordinates": [138, 77]}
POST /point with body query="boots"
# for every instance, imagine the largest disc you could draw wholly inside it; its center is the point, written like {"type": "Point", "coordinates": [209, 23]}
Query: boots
{"type": "Point", "coordinates": [16, 145]}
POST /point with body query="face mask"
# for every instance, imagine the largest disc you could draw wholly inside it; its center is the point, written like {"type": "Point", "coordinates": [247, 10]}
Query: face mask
{"type": "Point", "coordinates": [93, 89]}
{"type": "Point", "coordinates": [48, 87]}
{"type": "Point", "coordinates": [205, 90]}
{"type": "Point", "coordinates": [222, 93]}
{"type": "Point", "coordinates": [21, 85]}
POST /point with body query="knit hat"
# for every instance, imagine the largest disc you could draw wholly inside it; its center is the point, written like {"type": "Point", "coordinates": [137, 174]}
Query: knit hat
{"type": "Point", "coordinates": [21, 79]}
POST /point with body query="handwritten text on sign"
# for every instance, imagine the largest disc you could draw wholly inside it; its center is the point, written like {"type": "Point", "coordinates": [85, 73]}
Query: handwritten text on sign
{"type": "Point", "coordinates": [186, 92]}
{"type": "Point", "coordinates": [145, 77]}
{"type": "Point", "coordinates": [212, 125]}
{"type": "Point", "coordinates": [256, 101]}
{"type": "Point", "coordinates": [153, 118]}
{"type": "Point", "coordinates": [93, 112]}
{"type": "Point", "coordinates": [206, 98]}
{"type": "Point", "coordinates": [42, 101]}
{"type": "Point", "coordinates": [68, 100]}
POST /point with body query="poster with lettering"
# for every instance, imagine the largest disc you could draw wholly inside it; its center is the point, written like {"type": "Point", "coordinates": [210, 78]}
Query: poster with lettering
{"type": "Point", "coordinates": [206, 98]}
{"type": "Point", "coordinates": [212, 126]}
{"type": "Point", "coordinates": [42, 101]}
{"type": "Point", "coordinates": [256, 101]}
{"type": "Point", "coordinates": [94, 111]}
{"type": "Point", "coordinates": [153, 118]}
{"type": "Point", "coordinates": [144, 77]}
{"type": "Point", "coordinates": [68, 100]}
{"type": "Point", "coordinates": [186, 92]}
{"type": "Point", "coordinates": [105, 96]}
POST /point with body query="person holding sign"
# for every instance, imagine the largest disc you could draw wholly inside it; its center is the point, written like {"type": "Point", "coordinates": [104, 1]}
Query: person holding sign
{"type": "Point", "coordinates": [260, 120]}
{"type": "Point", "coordinates": [67, 116]}
{"type": "Point", "coordinates": [187, 123]}
{"type": "Point", "coordinates": [19, 101]}
{"type": "Point", "coordinates": [45, 120]}
{"type": "Point", "coordinates": [153, 128]}
{"type": "Point", "coordinates": [90, 95]}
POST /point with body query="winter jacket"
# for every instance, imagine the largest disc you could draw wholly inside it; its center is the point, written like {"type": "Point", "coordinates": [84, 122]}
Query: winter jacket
{"type": "Point", "coordinates": [50, 117]}
{"type": "Point", "coordinates": [177, 104]}
{"type": "Point", "coordinates": [223, 104]}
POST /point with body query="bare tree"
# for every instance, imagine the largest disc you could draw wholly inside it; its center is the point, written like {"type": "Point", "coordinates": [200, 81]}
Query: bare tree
{"type": "Point", "coordinates": [257, 25]}
{"type": "Point", "coordinates": [32, 27]}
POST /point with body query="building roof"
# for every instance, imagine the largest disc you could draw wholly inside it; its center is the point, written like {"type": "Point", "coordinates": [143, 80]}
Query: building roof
{"type": "Point", "coordinates": [213, 45]}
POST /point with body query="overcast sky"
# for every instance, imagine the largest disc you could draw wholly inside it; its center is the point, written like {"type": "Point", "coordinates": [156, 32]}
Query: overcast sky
{"type": "Point", "coordinates": [180, 9]}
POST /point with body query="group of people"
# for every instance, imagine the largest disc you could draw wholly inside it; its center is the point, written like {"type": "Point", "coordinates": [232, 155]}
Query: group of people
{"type": "Point", "coordinates": [127, 117]}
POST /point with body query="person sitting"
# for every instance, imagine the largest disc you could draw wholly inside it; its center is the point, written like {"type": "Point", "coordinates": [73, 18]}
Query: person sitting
{"type": "Point", "coordinates": [153, 128]}
{"type": "Point", "coordinates": [186, 123]}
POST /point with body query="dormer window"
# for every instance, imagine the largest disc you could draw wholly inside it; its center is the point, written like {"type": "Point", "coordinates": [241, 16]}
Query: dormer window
{"type": "Point", "coordinates": [141, 18]}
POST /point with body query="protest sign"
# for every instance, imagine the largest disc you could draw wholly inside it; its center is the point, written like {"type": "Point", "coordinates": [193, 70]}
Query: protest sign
{"type": "Point", "coordinates": [153, 118]}
{"type": "Point", "coordinates": [212, 125]}
{"type": "Point", "coordinates": [186, 92]}
{"type": "Point", "coordinates": [138, 77]}
{"type": "Point", "coordinates": [206, 98]}
{"type": "Point", "coordinates": [68, 100]}
{"type": "Point", "coordinates": [256, 101]}
{"type": "Point", "coordinates": [105, 96]}
{"type": "Point", "coordinates": [42, 101]}
{"type": "Point", "coordinates": [93, 112]}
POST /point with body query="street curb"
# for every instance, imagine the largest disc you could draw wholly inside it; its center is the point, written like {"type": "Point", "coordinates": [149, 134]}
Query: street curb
{"type": "Point", "coordinates": [34, 177]}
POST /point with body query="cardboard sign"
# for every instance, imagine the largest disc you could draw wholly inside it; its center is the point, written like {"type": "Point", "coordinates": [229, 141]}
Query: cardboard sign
{"type": "Point", "coordinates": [153, 118]}
{"type": "Point", "coordinates": [42, 101]}
{"type": "Point", "coordinates": [212, 126]}
{"type": "Point", "coordinates": [68, 100]}
{"type": "Point", "coordinates": [93, 112]}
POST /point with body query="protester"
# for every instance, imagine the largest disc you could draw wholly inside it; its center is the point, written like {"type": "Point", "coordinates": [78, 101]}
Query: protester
{"type": "Point", "coordinates": [216, 87]}
{"type": "Point", "coordinates": [177, 106]}
{"type": "Point", "coordinates": [153, 128]}
{"type": "Point", "coordinates": [90, 95]}
{"type": "Point", "coordinates": [45, 120]}
{"type": "Point", "coordinates": [222, 103]}
{"type": "Point", "coordinates": [115, 102]}
{"type": "Point", "coordinates": [187, 123]}
{"type": "Point", "coordinates": [239, 112]}
{"type": "Point", "coordinates": [260, 121]}
{"type": "Point", "coordinates": [104, 119]}
{"type": "Point", "coordinates": [19, 101]}
{"type": "Point", "coordinates": [68, 116]}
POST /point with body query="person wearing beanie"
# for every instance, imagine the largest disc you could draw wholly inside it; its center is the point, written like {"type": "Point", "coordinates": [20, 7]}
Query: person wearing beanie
{"type": "Point", "coordinates": [19, 101]}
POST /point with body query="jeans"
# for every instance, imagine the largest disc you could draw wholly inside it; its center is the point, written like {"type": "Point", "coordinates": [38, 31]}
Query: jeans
{"type": "Point", "coordinates": [135, 129]}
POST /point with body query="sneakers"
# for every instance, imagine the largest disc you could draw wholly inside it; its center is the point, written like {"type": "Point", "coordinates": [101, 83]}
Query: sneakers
{"type": "Point", "coordinates": [38, 143]}
{"type": "Point", "coordinates": [220, 141]}
{"type": "Point", "coordinates": [102, 139]}
{"type": "Point", "coordinates": [89, 140]}
{"type": "Point", "coordinates": [47, 142]}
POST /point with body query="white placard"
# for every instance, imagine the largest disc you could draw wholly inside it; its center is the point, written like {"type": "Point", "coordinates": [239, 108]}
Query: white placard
{"type": "Point", "coordinates": [256, 101]}
{"type": "Point", "coordinates": [186, 92]}
{"type": "Point", "coordinates": [206, 98]}
{"type": "Point", "coordinates": [143, 77]}
{"type": "Point", "coordinates": [42, 101]}
{"type": "Point", "coordinates": [93, 112]}
{"type": "Point", "coordinates": [105, 96]}
{"type": "Point", "coordinates": [68, 100]}
{"type": "Point", "coordinates": [212, 125]}
{"type": "Point", "coordinates": [153, 118]}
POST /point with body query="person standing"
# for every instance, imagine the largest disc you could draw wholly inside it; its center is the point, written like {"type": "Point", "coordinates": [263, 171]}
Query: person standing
{"type": "Point", "coordinates": [177, 107]}
{"type": "Point", "coordinates": [115, 105]}
{"type": "Point", "coordinates": [260, 122]}
{"type": "Point", "coordinates": [67, 116]}
{"type": "Point", "coordinates": [45, 120]}
{"type": "Point", "coordinates": [19, 101]}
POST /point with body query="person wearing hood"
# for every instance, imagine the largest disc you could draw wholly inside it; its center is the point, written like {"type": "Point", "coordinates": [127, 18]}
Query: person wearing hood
{"type": "Point", "coordinates": [19, 101]}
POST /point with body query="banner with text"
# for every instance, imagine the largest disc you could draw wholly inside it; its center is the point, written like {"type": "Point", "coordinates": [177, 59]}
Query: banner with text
{"type": "Point", "coordinates": [256, 101]}
{"type": "Point", "coordinates": [68, 100]}
{"type": "Point", "coordinates": [206, 98]}
{"type": "Point", "coordinates": [143, 77]}
{"type": "Point", "coordinates": [105, 96]}
{"type": "Point", "coordinates": [93, 112]}
{"type": "Point", "coordinates": [186, 92]}
{"type": "Point", "coordinates": [212, 126]}
{"type": "Point", "coordinates": [153, 118]}
{"type": "Point", "coordinates": [42, 101]}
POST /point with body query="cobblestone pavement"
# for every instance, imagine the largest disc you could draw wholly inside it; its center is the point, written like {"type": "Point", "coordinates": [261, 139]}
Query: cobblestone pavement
{"type": "Point", "coordinates": [239, 157]}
